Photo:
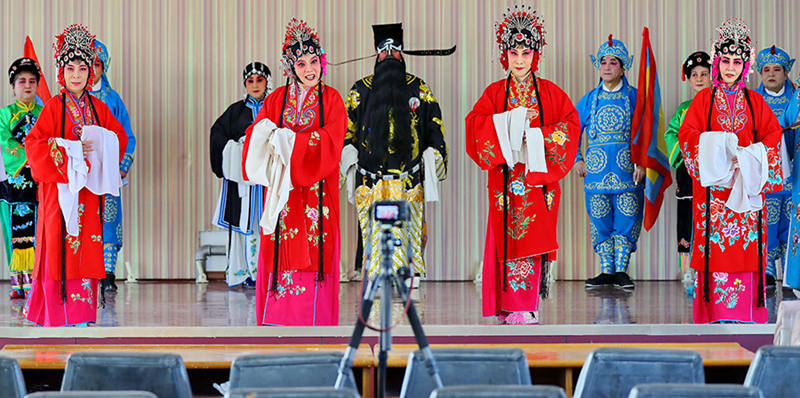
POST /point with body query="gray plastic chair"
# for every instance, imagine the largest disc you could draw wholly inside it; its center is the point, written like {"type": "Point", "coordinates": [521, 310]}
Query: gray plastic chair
{"type": "Point", "coordinates": [486, 391]}
{"type": "Point", "coordinates": [92, 394]}
{"type": "Point", "coordinates": [611, 372]}
{"type": "Point", "coordinates": [293, 392]}
{"type": "Point", "coordinates": [660, 390]}
{"type": "Point", "coordinates": [775, 370]}
{"type": "Point", "coordinates": [293, 369]}
{"type": "Point", "coordinates": [465, 366]}
{"type": "Point", "coordinates": [12, 384]}
{"type": "Point", "coordinates": [162, 374]}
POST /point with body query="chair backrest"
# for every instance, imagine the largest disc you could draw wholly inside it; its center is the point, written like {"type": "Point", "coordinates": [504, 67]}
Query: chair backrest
{"type": "Point", "coordinates": [92, 394]}
{"type": "Point", "coordinates": [673, 390]}
{"type": "Point", "coordinates": [292, 369]}
{"type": "Point", "coordinates": [463, 366]}
{"type": "Point", "coordinates": [11, 382]}
{"type": "Point", "coordinates": [775, 370]}
{"type": "Point", "coordinates": [162, 374]}
{"type": "Point", "coordinates": [503, 391]}
{"type": "Point", "coordinates": [293, 392]}
{"type": "Point", "coordinates": [613, 371]}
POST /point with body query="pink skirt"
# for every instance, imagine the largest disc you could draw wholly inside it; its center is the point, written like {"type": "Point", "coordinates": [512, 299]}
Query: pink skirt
{"type": "Point", "coordinates": [522, 282]}
{"type": "Point", "coordinates": [300, 299]}
{"type": "Point", "coordinates": [732, 299]}
{"type": "Point", "coordinates": [45, 307]}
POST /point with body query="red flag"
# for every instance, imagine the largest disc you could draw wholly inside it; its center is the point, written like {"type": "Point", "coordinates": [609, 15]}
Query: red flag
{"type": "Point", "coordinates": [43, 92]}
{"type": "Point", "coordinates": [648, 148]}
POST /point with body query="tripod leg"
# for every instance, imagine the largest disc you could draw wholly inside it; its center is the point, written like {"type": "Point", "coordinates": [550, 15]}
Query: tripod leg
{"type": "Point", "coordinates": [416, 325]}
{"type": "Point", "coordinates": [358, 332]}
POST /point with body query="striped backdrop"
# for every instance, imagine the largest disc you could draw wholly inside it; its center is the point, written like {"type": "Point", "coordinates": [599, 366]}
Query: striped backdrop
{"type": "Point", "coordinates": [177, 65]}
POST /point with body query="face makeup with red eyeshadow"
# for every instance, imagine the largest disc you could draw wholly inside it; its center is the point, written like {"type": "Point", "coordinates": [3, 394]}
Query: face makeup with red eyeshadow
{"type": "Point", "coordinates": [308, 69]}
{"type": "Point", "coordinates": [730, 68]}
{"type": "Point", "coordinates": [520, 60]}
{"type": "Point", "coordinates": [76, 75]}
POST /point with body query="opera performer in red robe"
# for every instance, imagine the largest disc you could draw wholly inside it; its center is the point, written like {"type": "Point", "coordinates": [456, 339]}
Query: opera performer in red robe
{"type": "Point", "coordinates": [524, 130]}
{"type": "Point", "coordinates": [729, 139]}
{"type": "Point", "coordinates": [67, 159]}
{"type": "Point", "coordinates": [293, 149]}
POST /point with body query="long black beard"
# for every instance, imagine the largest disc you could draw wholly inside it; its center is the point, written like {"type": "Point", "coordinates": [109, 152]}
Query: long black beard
{"type": "Point", "coordinates": [389, 93]}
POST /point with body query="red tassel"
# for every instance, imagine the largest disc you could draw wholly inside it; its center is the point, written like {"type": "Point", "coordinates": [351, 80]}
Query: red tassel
{"type": "Point", "coordinates": [610, 41]}
{"type": "Point", "coordinates": [772, 50]}
{"type": "Point", "coordinates": [683, 75]}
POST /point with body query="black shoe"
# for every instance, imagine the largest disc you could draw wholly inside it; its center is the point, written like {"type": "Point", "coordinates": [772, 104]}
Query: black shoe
{"type": "Point", "coordinates": [107, 283]}
{"type": "Point", "coordinates": [770, 282]}
{"type": "Point", "coordinates": [622, 280]}
{"type": "Point", "coordinates": [248, 284]}
{"type": "Point", "coordinates": [600, 280]}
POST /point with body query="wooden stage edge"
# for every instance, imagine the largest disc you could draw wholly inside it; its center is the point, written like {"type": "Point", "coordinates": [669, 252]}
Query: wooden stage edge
{"type": "Point", "coordinates": [750, 336]}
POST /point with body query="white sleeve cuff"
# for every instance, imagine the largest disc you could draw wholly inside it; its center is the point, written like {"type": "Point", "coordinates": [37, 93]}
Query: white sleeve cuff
{"type": "Point", "coordinates": [347, 170]}
{"type": "Point", "coordinates": [510, 126]}
{"type": "Point", "coordinates": [715, 154]}
{"type": "Point", "coordinates": [536, 161]}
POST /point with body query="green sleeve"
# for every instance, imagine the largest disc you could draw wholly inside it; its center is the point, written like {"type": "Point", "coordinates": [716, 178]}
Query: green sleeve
{"type": "Point", "coordinates": [13, 153]}
{"type": "Point", "coordinates": [671, 135]}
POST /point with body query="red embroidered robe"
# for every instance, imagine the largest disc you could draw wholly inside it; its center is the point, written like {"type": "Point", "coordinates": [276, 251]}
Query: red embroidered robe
{"type": "Point", "coordinates": [734, 236]}
{"type": "Point", "coordinates": [315, 157]}
{"type": "Point", "coordinates": [532, 197]}
{"type": "Point", "coordinates": [48, 162]}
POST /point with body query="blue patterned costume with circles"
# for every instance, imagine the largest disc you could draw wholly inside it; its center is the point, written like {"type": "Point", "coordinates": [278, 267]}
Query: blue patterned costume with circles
{"type": "Point", "coordinates": [779, 204]}
{"type": "Point", "coordinates": [613, 201]}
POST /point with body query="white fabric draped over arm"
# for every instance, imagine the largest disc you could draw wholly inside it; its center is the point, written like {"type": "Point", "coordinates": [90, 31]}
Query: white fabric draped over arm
{"type": "Point", "coordinates": [77, 170]}
{"type": "Point", "coordinates": [510, 126]}
{"type": "Point", "coordinates": [749, 179]}
{"type": "Point", "coordinates": [715, 154]}
{"type": "Point", "coordinates": [268, 163]}
{"type": "Point", "coordinates": [534, 146]}
{"type": "Point", "coordinates": [103, 177]}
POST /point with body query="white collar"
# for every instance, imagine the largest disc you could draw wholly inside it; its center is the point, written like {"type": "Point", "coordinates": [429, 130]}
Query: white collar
{"type": "Point", "coordinates": [615, 89]}
{"type": "Point", "coordinates": [773, 93]}
{"type": "Point", "coordinates": [97, 86]}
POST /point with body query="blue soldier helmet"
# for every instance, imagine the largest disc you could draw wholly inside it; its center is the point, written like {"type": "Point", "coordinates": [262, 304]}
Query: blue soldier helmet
{"type": "Point", "coordinates": [613, 47]}
{"type": "Point", "coordinates": [774, 55]}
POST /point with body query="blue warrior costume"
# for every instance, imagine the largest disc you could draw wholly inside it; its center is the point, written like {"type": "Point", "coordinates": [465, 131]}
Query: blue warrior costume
{"type": "Point", "coordinates": [791, 276]}
{"type": "Point", "coordinates": [779, 204]}
{"type": "Point", "coordinates": [112, 205]}
{"type": "Point", "coordinates": [613, 200]}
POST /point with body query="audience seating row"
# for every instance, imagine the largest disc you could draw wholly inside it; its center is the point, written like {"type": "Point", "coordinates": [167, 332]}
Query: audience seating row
{"type": "Point", "coordinates": [468, 372]}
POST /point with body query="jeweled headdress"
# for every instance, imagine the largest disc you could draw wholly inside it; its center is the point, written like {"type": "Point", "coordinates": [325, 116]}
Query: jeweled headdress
{"type": "Point", "coordinates": [75, 42]}
{"type": "Point", "coordinates": [734, 39]}
{"type": "Point", "coordinates": [520, 26]}
{"type": "Point", "coordinates": [300, 39]}
{"type": "Point", "coordinates": [613, 47]}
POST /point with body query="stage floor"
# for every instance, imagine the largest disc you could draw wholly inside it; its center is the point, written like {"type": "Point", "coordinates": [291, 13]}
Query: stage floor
{"type": "Point", "coordinates": [185, 304]}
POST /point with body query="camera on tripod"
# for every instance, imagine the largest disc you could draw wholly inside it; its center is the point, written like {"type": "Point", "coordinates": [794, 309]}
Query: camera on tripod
{"type": "Point", "coordinates": [391, 212]}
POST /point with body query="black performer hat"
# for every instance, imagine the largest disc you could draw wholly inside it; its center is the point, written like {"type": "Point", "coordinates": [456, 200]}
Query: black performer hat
{"type": "Point", "coordinates": [388, 37]}
{"type": "Point", "coordinates": [256, 68]}
{"type": "Point", "coordinates": [697, 58]}
{"type": "Point", "coordinates": [23, 65]}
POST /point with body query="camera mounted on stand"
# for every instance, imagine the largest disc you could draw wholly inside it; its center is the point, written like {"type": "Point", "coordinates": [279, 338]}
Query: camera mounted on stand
{"type": "Point", "coordinates": [389, 215]}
